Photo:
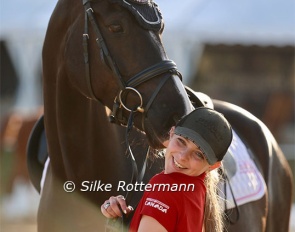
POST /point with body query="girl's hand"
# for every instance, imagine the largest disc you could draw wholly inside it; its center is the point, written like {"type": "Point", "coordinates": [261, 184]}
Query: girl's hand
{"type": "Point", "coordinates": [113, 207]}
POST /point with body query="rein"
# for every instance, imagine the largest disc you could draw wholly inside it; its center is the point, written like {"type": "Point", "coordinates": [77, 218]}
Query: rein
{"type": "Point", "coordinates": [117, 225]}
{"type": "Point", "coordinates": [236, 208]}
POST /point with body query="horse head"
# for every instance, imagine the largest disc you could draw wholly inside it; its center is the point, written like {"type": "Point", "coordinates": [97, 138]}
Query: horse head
{"type": "Point", "coordinates": [126, 67]}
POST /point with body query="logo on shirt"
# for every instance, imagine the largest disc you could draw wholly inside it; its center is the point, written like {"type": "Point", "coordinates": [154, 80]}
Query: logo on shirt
{"type": "Point", "coordinates": [156, 204]}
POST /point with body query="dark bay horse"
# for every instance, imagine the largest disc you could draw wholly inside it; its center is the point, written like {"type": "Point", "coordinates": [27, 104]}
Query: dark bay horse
{"type": "Point", "coordinates": [98, 56]}
{"type": "Point", "coordinates": [88, 61]}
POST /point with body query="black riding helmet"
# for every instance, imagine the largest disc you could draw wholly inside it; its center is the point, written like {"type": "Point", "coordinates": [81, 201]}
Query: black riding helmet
{"type": "Point", "coordinates": [209, 130]}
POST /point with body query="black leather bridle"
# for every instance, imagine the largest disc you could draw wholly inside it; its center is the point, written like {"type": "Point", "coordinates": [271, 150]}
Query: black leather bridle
{"type": "Point", "coordinates": [165, 66]}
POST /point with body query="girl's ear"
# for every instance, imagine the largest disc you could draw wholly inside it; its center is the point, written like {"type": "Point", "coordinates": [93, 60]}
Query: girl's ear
{"type": "Point", "coordinates": [214, 166]}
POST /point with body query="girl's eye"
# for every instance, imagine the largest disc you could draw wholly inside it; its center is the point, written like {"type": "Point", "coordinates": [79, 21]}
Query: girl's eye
{"type": "Point", "coordinates": [199, 155]}
{"type": "Point", "coordinates": [181, 141]}
{"type": "Point", "coordinates": [116, 28]}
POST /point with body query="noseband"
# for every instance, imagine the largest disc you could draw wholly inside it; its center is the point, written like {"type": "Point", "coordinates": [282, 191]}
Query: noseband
{"type": "Point", "coordinates": [165, 66]}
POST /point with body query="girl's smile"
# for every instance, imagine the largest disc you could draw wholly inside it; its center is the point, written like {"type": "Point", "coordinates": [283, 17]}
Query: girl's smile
{"type": "Point", "coordinates": [177, 164]}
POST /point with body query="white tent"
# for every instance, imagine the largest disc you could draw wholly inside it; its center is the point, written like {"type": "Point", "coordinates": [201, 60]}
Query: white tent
{"type": "Point", "coordinates": [191, 23]}
{"type": "Point", "coordinates": [22, 26]}
{"type": "Point", "coordinates": [19, 16]}
{"type": "Point", "coordinates": [245, 21]}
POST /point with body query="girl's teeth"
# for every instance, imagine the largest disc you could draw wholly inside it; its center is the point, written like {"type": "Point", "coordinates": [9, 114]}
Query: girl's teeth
{"type": "Point", "coordinates": [177, 164]}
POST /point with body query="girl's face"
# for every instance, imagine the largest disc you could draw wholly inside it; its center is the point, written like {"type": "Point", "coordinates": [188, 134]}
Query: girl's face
{"type": "Point", "coordinates": [183, 156]}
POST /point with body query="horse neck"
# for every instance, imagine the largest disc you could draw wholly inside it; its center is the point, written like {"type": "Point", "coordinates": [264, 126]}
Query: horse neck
{"type": "Point", "coordinates": [83, 139]}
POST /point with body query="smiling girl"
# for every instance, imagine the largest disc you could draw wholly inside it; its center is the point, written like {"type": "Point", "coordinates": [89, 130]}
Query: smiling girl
{"type": "Point", "coordinates": [196, 146]}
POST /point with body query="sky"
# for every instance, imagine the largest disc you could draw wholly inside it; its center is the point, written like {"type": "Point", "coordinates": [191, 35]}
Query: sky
{"type": "Point", "coordinates": [227, 18]}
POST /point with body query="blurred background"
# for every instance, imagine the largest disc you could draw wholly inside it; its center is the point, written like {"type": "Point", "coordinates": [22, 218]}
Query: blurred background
{"type": "Point", "coordinates": [242, 52]}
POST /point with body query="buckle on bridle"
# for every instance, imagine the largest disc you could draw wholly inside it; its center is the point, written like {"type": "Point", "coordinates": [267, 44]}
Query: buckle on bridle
{"type": "Point", "coordinates": [117, 112]}
{"type": "Point", "coordinates": [138, 108]}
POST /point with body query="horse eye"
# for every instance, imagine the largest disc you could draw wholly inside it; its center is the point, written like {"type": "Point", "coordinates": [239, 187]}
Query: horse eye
{"type": "Point", "coordinates": [115, 28]}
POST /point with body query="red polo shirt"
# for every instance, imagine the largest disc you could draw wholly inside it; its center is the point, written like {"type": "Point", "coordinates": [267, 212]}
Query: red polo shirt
{"type": "Point", "coordinates": [175, 200]}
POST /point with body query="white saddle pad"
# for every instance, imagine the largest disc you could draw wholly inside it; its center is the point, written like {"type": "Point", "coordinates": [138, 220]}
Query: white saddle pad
{"type": "Point", "coordinates": [247, 183]}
